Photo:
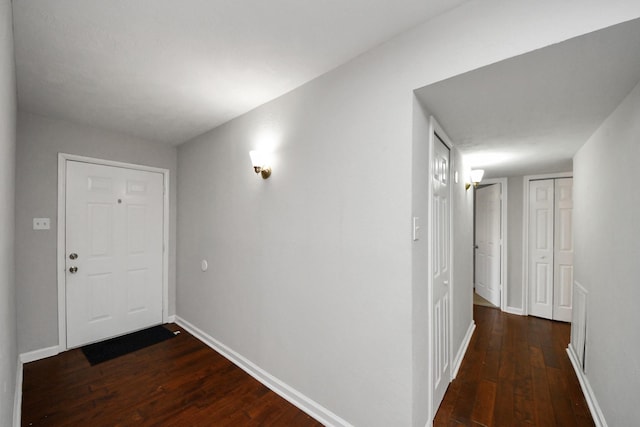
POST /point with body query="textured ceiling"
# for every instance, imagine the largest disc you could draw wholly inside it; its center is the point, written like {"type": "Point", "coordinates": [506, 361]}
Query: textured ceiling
{"type": "Point", "coordinates": [168, 70]}
{"type": "Point", "coordinates": [530, 114]}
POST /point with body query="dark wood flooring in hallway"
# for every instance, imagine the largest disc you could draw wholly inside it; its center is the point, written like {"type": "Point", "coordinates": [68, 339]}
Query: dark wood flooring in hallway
{"type": "Point", "coordinates": [516, 373]}
{"type": "Point", "coordinates": [179, 382]}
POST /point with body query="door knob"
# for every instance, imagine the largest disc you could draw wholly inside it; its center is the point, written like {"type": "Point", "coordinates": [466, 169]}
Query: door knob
{"type": "Point", "coordinates": [73, 270]}
{"type": "Point", "coordinates": [73, 256]}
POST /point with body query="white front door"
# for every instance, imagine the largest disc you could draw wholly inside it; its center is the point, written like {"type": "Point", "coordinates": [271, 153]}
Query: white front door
{"type": "Point", "coordinates": [541, 218]}
{"type": "Point", "coordinates": [114, 237]}
{"type": "Point", "coordinates": [441, 271]}
{"type": "Point", "coordinates": [488, 243]}
{"type": "Point", "coordinates": [563, 250]}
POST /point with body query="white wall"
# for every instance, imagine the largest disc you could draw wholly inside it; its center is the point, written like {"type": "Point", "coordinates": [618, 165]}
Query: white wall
{"type": "Point", "coordinates": [607, 250]}
{"type": "Point", "coordinates": [311, 272]}
{"type": "Point", "coordinates": [39, 142]}
{"type": "Point", "coordinates": [462, 287]}
{"type": "Point", "coordinates": [8, 346]}
{"type": "Point", "coordinates": [515, 282]}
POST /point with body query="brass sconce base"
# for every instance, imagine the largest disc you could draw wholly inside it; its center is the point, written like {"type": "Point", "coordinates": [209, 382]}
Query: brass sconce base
{"type": "Point", "coordinates": [468, 185]}
{"type": "Point", "coordinates": [265, 172]}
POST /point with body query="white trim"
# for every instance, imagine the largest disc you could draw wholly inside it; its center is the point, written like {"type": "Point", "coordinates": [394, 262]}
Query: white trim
{"type": "Point", "coordinates": [42, 353]}
{"type": "Point", "coordinates": [503, 237]}
{"type": "Point", "coordinates": [304, 403]}
{"type": "Point", "coordinates": [17, 398]}
{"type": "Point", "coordinates": [590, 397]}
{"type": "Point", "coordinates": [62, 173]}
{"type": "Point", "coordinates": [462, 350]}
{"type": "Point", "coordinates": [171, 319]}
{"type": "Point", "coordinates": [514, 310]}
{"type": "Point", "coordinates": [525, 231]}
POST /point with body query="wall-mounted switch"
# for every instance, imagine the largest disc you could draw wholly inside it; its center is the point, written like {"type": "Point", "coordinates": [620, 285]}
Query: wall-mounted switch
{"type": "Point", "coordinates": [41, 223]}
{"type": "Point", "coordinates": [416, 228]}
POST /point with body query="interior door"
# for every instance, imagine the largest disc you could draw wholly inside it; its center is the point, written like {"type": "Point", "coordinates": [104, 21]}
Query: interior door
{"type": "Point", "coordinates": [488, 243]}
{"type": "Point", "coordinates": [541, 251]}
{"type": "Point", "coordinates": [563, 250]}
{"type": "Point", "coordinates": [440, 235]}
{"type": "Point", "coordinates": [114, 235]}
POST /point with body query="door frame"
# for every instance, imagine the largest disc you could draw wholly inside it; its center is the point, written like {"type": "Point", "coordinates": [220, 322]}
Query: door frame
{"type": "Point", "coordinates": [503, 236]}
{"type": "Point", "coordinates": [63, 158]}
{"type": "Point", "coordinates": [525, 231]}
{"type": "Point", "coordinates": [435, 128]}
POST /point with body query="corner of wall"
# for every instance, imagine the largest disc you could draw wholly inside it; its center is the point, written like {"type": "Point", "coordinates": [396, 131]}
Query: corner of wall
{"type": "Point", "coordinates": [17, 400]}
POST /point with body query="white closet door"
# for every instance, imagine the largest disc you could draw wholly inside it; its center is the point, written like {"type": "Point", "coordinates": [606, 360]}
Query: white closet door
{"type": "Point", "coordinates": [541, 250]}
{"type": "Point", "coordinates": [563, 250]}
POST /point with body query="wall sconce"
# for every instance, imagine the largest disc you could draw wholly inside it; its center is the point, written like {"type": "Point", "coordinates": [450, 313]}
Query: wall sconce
{"type": "Point", "coordinates": [475, 176]}
{"type": "Point", "coordinates": [259, 163]}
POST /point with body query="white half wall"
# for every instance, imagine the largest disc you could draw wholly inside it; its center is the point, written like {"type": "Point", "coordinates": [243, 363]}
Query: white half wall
{"type": "Point", "coordinates": [607, 250]}
{"type": "Point", "coordinates": [40, 140]}
{"type": "Point", "coordinates": [8, 106]}
{"type": "Point", "coordinates": [311, 271]}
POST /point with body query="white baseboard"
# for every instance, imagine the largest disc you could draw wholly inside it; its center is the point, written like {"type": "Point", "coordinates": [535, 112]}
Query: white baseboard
{"type": "Point", "coordinates": [592, 402]}
{"type": "Point", "coordinates": [462, 350]}
{"type": "Point", "coordinates": [314, 409]}
{"type": "Point", "coordinates": [17, 399]}
{"type": "Point", "coordinates": [514, 310]}
{"type": "Point", "coordinates": [43, 353]}
{"type": "Point", "coordinates": [171, 319]}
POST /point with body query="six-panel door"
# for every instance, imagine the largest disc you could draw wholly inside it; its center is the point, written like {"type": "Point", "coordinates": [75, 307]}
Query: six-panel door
{"type": "Point", "coordinates": [114, 223]}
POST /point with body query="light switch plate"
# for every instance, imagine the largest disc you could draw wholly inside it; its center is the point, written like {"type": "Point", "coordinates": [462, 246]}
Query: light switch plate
{"type": "Point", "coordinates": [41, 223]}
{"type": "Point", "coordinates": [416, 228]}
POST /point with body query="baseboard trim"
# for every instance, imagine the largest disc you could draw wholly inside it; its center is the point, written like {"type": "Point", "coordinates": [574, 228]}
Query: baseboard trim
{"type": "Point", "coordinates": [592, 402]}
{"type": "Point", "coordinates": [171, 319]}
{"type": "Point", "coordinates": [314, 409]}
{"type": "Point", "coordinates": [462, 350]}
{"type": "Point", "coordinates": [43, 353]}
{"type": "Point", "coordinates": [17, 399]}
{"type": "Point", "coordinates": [514, 310]}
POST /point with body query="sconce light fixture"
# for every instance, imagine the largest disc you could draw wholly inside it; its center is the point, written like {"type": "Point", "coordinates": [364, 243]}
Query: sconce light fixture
{"type": "Point", "coordinates": [259, 163]}
{"type": "Point", "coordinates": [475, 176]}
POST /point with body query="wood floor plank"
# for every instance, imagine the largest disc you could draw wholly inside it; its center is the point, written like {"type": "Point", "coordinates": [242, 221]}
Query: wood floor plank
{"type": "Point", "coordinates": [484, 403]}
{"type": "Point", "coordinates": [178, 382]}
{"type": "Point", "coordinates": [525, 358]}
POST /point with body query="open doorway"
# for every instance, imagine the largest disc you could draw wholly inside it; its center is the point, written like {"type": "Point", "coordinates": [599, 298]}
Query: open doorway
{"type": "Point", "coordinates": [490, 243]}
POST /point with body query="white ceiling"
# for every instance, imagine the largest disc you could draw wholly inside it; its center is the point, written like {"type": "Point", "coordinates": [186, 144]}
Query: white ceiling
{"type": "Point", "coordinates": [168, 70]}
{"type": "Point", "coordinates": [530, 114]}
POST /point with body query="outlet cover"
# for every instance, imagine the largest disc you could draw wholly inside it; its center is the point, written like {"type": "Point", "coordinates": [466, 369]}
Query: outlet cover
{"type": "Point", "coordinates": [41, 223]}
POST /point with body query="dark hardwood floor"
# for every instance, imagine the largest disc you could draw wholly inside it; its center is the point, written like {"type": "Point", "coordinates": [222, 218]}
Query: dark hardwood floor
{"type": "Point", "coordinates": [516, 373]}
{"type": "Point", "coordinates": [179, 382]}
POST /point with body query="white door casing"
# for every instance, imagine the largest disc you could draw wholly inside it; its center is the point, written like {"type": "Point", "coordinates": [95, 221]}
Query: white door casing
{"type": "Point", "coordinates": [114, 222]}
{"type": "Point", "coordinates": [440, 269]}
{"type": "Point", "coordinates": [563, 250]}
{"type": "Point", "coordinates": [488, 243]}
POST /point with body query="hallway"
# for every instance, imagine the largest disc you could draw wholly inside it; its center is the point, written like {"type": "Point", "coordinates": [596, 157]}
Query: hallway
{"type": "Point", "coordinates": [516, 372]}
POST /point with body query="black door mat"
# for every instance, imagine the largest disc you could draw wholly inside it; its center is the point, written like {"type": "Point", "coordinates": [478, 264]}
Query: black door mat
{"type": "Point", "coordinates": [119, 346]}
